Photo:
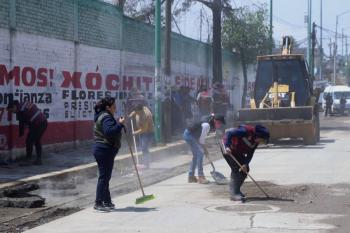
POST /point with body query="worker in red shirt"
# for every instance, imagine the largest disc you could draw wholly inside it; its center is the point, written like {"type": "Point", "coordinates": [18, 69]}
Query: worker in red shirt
{"type": "Point", "coordinates": [241, 142]}
{"type": "Point", "coordinates": [28, 114]}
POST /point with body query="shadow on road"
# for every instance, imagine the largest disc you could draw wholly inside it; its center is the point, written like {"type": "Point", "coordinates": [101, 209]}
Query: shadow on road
{"type": "Point", "coordinates": [298, 144]}
{"type": "Point", "coordinates": [319, 146]}
{"type": "Point", "coordinates": [338, 128]}
{"type": "Point", "coordinates": [248, 199]}
{"type": "Point", "coordinates": [323, 140]}
{"type": "Point", "coordinates": [134, 209]}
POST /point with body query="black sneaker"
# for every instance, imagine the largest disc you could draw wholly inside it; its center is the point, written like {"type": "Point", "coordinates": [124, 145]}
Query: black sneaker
{"type": "Point", "coordinates": [237, 198]}
{"type": "Point", "coordinates": [101, 208]}
{"type": "Point", "coordinates": [242, 194]}
{"type": "Point", "coordinates": [109, 205]}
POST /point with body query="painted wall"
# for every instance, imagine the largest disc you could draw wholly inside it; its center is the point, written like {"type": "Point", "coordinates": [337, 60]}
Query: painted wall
{"type": "Point", "coordinates": [66, 55]}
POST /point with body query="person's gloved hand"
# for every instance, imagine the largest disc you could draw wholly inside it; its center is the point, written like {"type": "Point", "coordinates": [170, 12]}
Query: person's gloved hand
{"type": "Point", "coordinates": [228, 150]}
{"type": "Point", "coordinates": [135, 133]}
{"type": "Point", "coordinates": [244, 168]}
{"type": "Point", "coordinates": [121, 120]}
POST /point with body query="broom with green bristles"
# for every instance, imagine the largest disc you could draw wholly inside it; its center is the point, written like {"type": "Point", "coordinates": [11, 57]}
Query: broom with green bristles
{"type": "Point", "coordinates": [144, 197]}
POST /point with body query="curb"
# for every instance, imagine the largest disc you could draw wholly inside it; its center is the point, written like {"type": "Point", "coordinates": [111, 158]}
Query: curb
{"type": "Point", "coordinates": [90, 170]}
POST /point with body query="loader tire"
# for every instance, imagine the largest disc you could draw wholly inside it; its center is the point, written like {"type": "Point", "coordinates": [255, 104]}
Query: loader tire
{"type": "Point", "coordinates": [314, 136]}
{"type": "Point", "coordinates": [312, 140]}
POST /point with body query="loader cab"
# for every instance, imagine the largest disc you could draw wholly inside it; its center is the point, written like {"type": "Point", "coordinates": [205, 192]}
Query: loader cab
{"type": "Point", "coordinates": [289, 70]}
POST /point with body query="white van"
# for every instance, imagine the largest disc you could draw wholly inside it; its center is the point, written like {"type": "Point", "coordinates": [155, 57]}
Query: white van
{"type": "Point", "coordinates": [337, 92]}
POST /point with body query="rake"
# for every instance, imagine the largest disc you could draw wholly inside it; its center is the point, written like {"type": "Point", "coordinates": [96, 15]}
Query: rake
{"type": "Point", "coordinates": [240, 165]}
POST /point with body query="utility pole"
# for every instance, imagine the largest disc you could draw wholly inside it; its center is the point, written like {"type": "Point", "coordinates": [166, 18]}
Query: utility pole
{"type": "Point", "coordinates": [336, 43]}
{"type": "Point", "coordinates": [157, 78]}
{"type": "Point", "coordinates": [335, 49]}
{"type": "Point", "coordinates": [313, 37]}
{"type": "Point", "coordinates": [167, 63]}
{"type": "Point", "coordinates": [330, 47]}
{"type": "Point", "coordinates": [342, 42]}
{"type": "Point", "coordinates": [334, 60]}
{"type": "Point", "coordinates": [271, 26]}
{"type": "Point", "coordinates": [321, 41]}
{"type": "Point", "coordinates": [166, 103]}
{"type": "Point", "coordinates": [309, 35]}
{"type": "Point", "coordinates": [346, 51]}
{"type": "Point", "coordinates": [200, 25]}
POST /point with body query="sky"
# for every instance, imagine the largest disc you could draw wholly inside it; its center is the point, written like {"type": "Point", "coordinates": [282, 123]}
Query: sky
{"type": "Point", "coordinates": [288, 19]}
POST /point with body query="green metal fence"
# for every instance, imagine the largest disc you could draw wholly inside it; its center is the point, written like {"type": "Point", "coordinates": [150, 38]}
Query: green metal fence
{"type": "Point", "coordinates": [95, 23]}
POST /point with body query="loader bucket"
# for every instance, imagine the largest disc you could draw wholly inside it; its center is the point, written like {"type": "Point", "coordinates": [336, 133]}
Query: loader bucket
{"type": "Point", "coordinates": [285, 122]}
{"type": "Point", "coordinates": [275, 114]}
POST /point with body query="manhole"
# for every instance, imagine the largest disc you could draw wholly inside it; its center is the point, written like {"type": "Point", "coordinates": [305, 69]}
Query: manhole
{"type": "Point", "coordinates": [243, 208]}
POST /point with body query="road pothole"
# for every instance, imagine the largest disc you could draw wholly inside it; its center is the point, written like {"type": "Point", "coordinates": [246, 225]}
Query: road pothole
{"type": "Point", "coordinates": [243, 208]}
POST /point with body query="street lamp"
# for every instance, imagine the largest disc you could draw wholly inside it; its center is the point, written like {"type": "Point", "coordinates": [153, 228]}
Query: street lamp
{"type": "Point", "coordinates": [336, 43]}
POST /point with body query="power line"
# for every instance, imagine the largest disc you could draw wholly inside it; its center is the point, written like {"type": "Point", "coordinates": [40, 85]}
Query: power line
{"type": "Point", "coordinates": [331, 31]}
{"type": "Point", "coordinates": [287, 22]}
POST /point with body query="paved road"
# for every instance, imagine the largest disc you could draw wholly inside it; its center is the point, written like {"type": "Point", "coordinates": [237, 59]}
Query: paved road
{"type": "Point", "coordinates": [310, 186]}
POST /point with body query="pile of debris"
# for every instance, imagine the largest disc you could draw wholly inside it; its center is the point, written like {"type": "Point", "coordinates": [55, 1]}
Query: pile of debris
{"type": "Point", "coordinates": [19, 197]}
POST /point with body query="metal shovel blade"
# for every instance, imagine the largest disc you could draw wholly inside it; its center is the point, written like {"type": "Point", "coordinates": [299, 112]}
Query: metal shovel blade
{"type": "Point", "coordinates": [219, 178]}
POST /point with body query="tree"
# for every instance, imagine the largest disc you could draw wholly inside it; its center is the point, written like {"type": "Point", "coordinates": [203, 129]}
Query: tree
{"type": "Point", "coordinates": [120, 3]}
{"type": "Point", "coordinates": [217, 7]}
{"type": "Point", "coordinates": [167, 63]}
{"type": "Point", "coordinates": [246, 31]}
{"type": "Point", "coordinates": [144, 11]}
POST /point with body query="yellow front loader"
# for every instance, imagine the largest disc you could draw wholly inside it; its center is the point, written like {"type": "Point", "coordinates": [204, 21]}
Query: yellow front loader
{"type": "Point", "coordinates": [283, 98]}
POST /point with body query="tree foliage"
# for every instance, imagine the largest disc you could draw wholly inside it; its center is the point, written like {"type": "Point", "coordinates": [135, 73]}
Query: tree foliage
{"type": "Point", "coordinates": [246, 32]}
{"type": "Point", "coordinates": [144, 11]}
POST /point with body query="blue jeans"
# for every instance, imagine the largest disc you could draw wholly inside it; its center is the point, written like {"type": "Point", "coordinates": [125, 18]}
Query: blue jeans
{"type": "Point", "coordinates": [197, 159]}
{"type": "Point", "coordinates": [145, 141]}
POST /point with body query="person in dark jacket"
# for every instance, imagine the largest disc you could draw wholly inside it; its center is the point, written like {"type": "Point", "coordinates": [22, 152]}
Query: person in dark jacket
{"type": "Point", "coordinates": [342, 105]}
{"type": "Point", "coordinates": [107, 137]}
{"type": "Point", "coordinates": [195, 135]}
{"type": "Point", "coordinates": [329, 103]}
{"type": "Point", "coordinates": [241, 142]}
{"type": "Point", "coordinates": [28, 114]}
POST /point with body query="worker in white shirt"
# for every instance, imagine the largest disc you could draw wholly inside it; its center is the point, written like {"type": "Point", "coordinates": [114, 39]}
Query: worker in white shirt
{"type": "Point", "coordinates": [195, 136]}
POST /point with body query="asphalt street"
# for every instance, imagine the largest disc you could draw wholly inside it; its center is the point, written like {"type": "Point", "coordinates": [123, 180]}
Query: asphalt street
{"type": "Point", "coordinates": [309, 186]}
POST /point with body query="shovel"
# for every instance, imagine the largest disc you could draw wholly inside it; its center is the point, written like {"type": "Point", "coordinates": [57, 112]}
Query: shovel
{"type": "Point", "coordinates": [217, 176]}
